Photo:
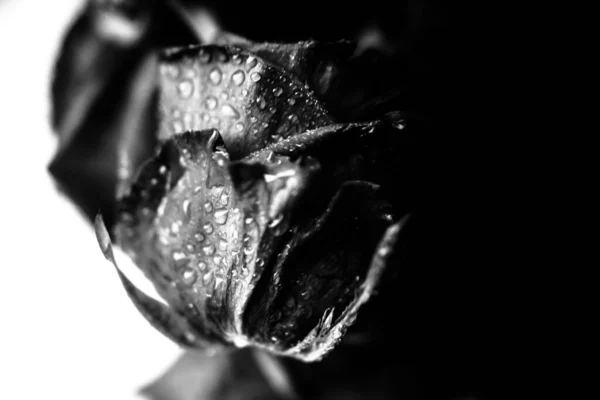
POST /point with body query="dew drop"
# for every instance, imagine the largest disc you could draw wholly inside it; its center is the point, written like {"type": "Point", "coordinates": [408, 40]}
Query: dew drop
{"type": "Point", "coordinates": [162, 169]}
{"type": "Point", "coordinates": [239, 127]}
{"type": "Point", "coordinates": [177, 127]}
{"type": "Point", "coordinates": [208, 228]}
{"type": "Point", "coordinates": [224, 95]}
{"type": "Point", "coordinates": [208, 207]}
{"type": "Point", "coordinates": [277, 91]}
{"type": "Point", "coordinates": [217, 260]}
{"type": "Point", "coordinates": [211, 102]}
{"type": "Point", "coordinates": [208, 250]}
{"type": "Point", "coordinates": [238, 77]}
{"type": "Point", "coordinates": [237, 60]}
{"type": "Point", "coordinates": [202, 266]}
{"type": "Point", "coordinates": [276, 221]}
{"type": "Point", "coordinates": [255, 76]}
{"type": "Point", "coordinates": [244, 92]}
{"type": "Point", "coordinates": [291, 101]}
{"type": "Point", "coordinates": [175, 228]}
{"type": "Point", "coordinates": [251, 62]}
{"type": "Point", "coordinates": [204, 56]}
{"type": "Point", "coordinates": [222, 245]}
{"type": "Point", "coordinates": [253, 119]}
{"type": "Point", "coordinates": [190, 247]}
{"type": "Point", "coordinates": [172, 71]}
{"type": "Point", "coordinates": [249, 220]}
{"type": "Point", "coordinates": [199, 237]}
{"type": "Point", "coordinates": [207, 278]}
{"type": "Point", "coordinates": [185, 89]}
{"type": "Point", "coordinates": [224, 199]}
{"type": "Point", "coordinates": [189, 276]}
{"type": "Point", "coordinates": [186, 207]}
{"type": "Point", "coordinates": [229, 111]}
{"type": "Point", "coordinates": [221, 216]}
{"type": "Point", "coordinates": [215, 76]}
{"type": "Point", "coordinates": [261, 102]}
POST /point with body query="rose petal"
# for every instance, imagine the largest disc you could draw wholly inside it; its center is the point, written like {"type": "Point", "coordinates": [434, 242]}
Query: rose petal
{"type": "Point", "coordinates": [196, 237]}
{"type": "Point", "coordinates": [103, 97]}
{"type": "Point", "coordinates": [316, 63]}
{"type": "Point", "coordinates": [319, 267]}
{"type": "Point", "coordinates": [251, 102]}
{"type": "Point", "coordinates": [160, 316]}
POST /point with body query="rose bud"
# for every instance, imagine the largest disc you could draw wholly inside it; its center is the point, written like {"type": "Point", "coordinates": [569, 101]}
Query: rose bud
{"type": "Point", "coordinates": [260, 221]}
{"type": "Point", "coordinates": [255, 184]}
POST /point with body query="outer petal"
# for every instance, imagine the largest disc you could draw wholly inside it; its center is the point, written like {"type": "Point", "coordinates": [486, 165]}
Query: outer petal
{"type": "Point", "coordinates": [196, 237]}
{"type": "Point", "coordinates": [251, 102]}
{"type": "Point", "coordinates": [318, 64]}
{"type": "Point", "coordinates": [103, 97]}
{"type": "Point", "coordinates": [317, 274]}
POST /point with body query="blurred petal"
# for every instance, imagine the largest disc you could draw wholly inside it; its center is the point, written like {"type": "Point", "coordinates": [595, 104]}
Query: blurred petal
{"type": "Point", "coordinates": [226, 376]}
{"type": "Point", "coordinates": [103, 97]}
{"type": "Point", "coordinates": [251, 102]}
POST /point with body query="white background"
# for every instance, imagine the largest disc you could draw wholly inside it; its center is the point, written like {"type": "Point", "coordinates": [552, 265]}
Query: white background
{"type": "Point", "coordinates": [67, 328]}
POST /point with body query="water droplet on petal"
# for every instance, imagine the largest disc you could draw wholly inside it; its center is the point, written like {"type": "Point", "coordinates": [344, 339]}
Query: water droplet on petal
{"type": "Point", "coordinates": [291, 101]}
{"type": "Point", "coordinates": [172, 71]}
{"type": "Point", "coordinates": [221, 216]}
{"type": "Point", "coordinates": [261, 102]}
{"type": "Point", "coordinates": [229, 111]}
{"type": "Point", "coordinates": [276, 221]}
{"type": "Point", "coordinates": [202, 266]}
{"type": "Point", "coordinates": [211, 102]}
{"type": "Point", "coordinates": [239, 127]}
{"type": "Point", "coordinates": [244, 92]}
{"type": "Point", "coordinates": [208, 207]}
{"type": "Point", "coordinates": [217, 260]}
{"type": "Point", "coordinates": [175, 228]}
{"type": "Point", "coordinates": [223, 245]}
{"type": "Point", "coordinates": [186, 208]}
{"type": "Point", "coordinates": [199, 237]}
{"type": "Point", "coordinates": [251, 62]}
{"type": "Point", "coordinates": [215, 76]}
{"type": "Point", "coordinates": [177, 127]}
{"type": "Point", "coordinates": [208, 228]}
{"type": "Point", "coordinates": [204, 56]}
{"type": "Point", "coordinates": [207, 278]}
{"type": "Point", "coordinates": [237, 60]}
{"type": "Point", "coordinates": [224, 95]}
{"type": "Point", "coordinates": [208, 250]}
{"type": "Point", "coordinates": [189, 276]}
{"type": "Point", "coordinates": [238, 77]}
{"type": "Point", "coordinates": [190, 247]}
{"type": "Point", "coordinates": [277, 91]}
{"type": "Point", "coordinates": [255, 76]}
{"type": "Point", "coordinates": [185, 89]}
{"type": "Point", "coordinates": [249, 220]}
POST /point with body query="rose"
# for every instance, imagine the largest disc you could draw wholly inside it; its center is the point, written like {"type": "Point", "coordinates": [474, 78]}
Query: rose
{"type": "Point", "coordinates": [265, 217]}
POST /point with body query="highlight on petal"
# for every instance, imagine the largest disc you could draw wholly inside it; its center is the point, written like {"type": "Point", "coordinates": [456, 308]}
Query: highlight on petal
{"type": "Point", "coordinates": [160, 316]}
{"type": "Point", "coordinates": [251, 102]}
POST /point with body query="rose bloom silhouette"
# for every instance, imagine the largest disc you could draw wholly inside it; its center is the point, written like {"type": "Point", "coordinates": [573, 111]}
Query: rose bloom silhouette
{"type": "Point", "coordinates": [262, 187]}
